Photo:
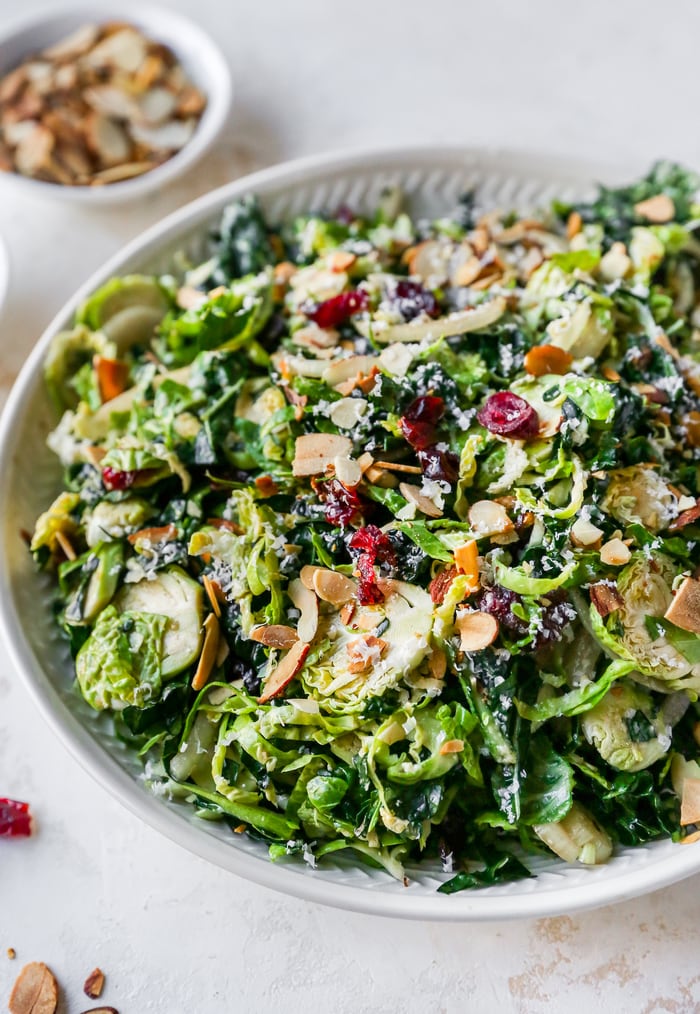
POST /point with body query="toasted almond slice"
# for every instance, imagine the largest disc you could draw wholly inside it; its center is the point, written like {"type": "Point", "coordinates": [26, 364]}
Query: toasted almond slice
{"type": "Point", "coordinates": [690, 802]}
{"type": "Point", "coordinates": [615, 553]}
{"type": "Point", "coordinates": [111, 101]}
{"type": "Point", "coordinates": [380, 477]}
{"type": "Point", "coordinates": [213, 590]}
{"type": "Point", "coordinates": [341, 260]}
{"type": "Point", "coordinates": [437, 663]}
{"type": "Point", "coordinates": [188, 298]}
{"type": "Point", "coordinates": [315, 338]}
{"type": "Point", "coordinates": [74, 158]}
{"type": "Point", "coordinates": [162, 533]}
{"type": "Point", "coordinates": [15, 133]}
{"type": "Point", "coordinates": [615, 264]}
{"type": "Point", "coordinates": [155, 106]}
{"type": "Point", "coordinates": [210, 650]}
{"type": "Point", "coordinates": [364, 652]}
{"type": "Point", "coordinates": [34, 151]}
{"type": "Point", "coordinates": [690, 838]}
{"type": "Point", "coordinates": [398, 466]}
{"type": "Point", "coordinates": [605, 597]}
{"type": "Point", "coordinates": [467, 272]}
{"type": "Point", "coordinates": [658, 209]}
{"type": "Point", "coordinates": [544, 359]}
{"type": "Point", "coordinates": [347, 612]}
{"type": "Point", "coordinates": [486, 517]}
{"type": "Point", "coordinates": [123, 50]}
{"type": "Point", "coordinates": [66, 546]}
{"type": "Point", "coordinates": [190, 102]}
{"type": "Point", "coordinates": [429, 261]}
{"type": "Point", "coordinates": [347, 471]}
{"type": "Point", "coordinates": [452, 746]}
{"type": "Point", "coordinates": [348, 369]}
{"type": "Point", "coordinates": [94, 984]}
{"type": "Point", "coordinates": [275, 635]}
{"type": "Point", "coordinates": [93, 454]}
{"type": "Point", "coordinates": [315, 452]}
{"type": "Point", "coordinates": [284, 673]}
{"type": "Point", "coordinates": [333, 587]}
{"type": "Point", "coordinates": [306, 576]}
{"type": "Point", "coordinates": [684, 611]}
{"type": "Point", "coordinates": [304, 599]}
{"type": "Point", "coordinates": [107, 140]}
{"type": "Point", "coordinates": [423, 503]}
{"type": "Point", "coordinates": [574, 224]}
{"type": "Point", "coordinates": [73, 45]}
{"type": "Point", "coordinates": [476, 630]}
{"type": "Point", "coordinates": [170, 136]}
{"type": "Point", "coordinates": [12, 84]}
{"type": "Point", "coordinates": [691, 424]}
{"type": "Point", "coordinates": [126, 171]}
{"type": "Point", "coordinates": [347, 412]}
{"type": "Point", "coordinates": [687, 517]}
{"type": "Point", "coordinates": [584, 533]}
{"type": "Point", "coordinates": [35, 990]}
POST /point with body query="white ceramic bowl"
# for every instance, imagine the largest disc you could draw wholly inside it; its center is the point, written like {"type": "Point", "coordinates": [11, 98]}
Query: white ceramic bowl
{"type": "Point", "coordinates": [200, 56]}
{"type": "Point", "coordinates": [4, 272]}
{"type": "Point", "coordinates": [432, 179]}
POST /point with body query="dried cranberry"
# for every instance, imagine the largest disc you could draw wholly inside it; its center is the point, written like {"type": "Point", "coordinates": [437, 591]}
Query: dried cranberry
{"type": "Point", "coordinates": [437, 464]}
{"type": "Point", "coordinates": [420, 419]}
{"type": "Point", "coordinates": [509, 415]}
{"type": "Point", "coordinates": [411, 299]}
{"type": "Point", "coordinates": [374, 547]}
{"type": "Point", "coordinates": [337, 309]}
{"type": "Point", "coordinates": [115, 479]}
{"type": "Point", "coordinates": [554, 620]}
{"type": "Point", "coordinates": [15, 819]}
{"type": "Point", "coordinates": [499, 602]}
{"type": "Point", "coordinates": [344, 506]}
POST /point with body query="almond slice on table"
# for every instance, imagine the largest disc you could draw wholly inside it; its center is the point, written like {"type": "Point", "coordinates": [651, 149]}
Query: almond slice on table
{"type": "Point", "coordinates": [94, 984]}
{"type": "Point", "coordinates": [283, 674]}
{"type": "Point", "coordinates": [304, 599]}
{"type": "Point", "coordinates": [210, 651]}
{"type": "Point", "coordinates": [424, 504]}
{"type": "Point", "coordinates": [690, 802]}
{"type": "Point", "coordinates": [684, 611]}
{"type": "Point", "coordinates": [275, 635]}
{"type": "Point", "coordinates": [315, 452]}
{"type": "Point", "coordinates": [658, 209]}
{"type": "Point", "coordinates": [35, 990]}
{"type": "Point", "coordinates": [476, 630]}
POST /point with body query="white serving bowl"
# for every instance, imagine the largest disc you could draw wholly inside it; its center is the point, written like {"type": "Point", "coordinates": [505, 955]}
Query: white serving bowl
{"type": "Point", "coordinates": [433, 180]}
{"type": "Point", "coordinates": [201, 58]}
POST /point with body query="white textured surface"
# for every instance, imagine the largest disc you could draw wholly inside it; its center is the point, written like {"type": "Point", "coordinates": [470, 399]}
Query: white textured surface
{"type": "Point", "coordinates": [95, 886]}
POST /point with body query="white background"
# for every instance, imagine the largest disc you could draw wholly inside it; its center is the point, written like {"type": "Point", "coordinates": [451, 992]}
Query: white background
{"type": "Point", "coordinates": [174, 935]}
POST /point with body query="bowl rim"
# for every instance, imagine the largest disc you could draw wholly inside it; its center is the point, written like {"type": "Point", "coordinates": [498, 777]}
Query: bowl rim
{"type": "Point", "coordinates": [147, 16]}
{"type": "Point", "coordinates": [94, 758]}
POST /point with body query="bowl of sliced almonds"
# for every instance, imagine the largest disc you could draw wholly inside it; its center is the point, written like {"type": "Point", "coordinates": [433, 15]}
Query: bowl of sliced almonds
{"type": "Point", "coordinates": [102, 106]}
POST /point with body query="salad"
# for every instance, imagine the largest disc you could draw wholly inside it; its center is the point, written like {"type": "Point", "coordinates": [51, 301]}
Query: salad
{"type": "Point", "coordinates": [381, 535]}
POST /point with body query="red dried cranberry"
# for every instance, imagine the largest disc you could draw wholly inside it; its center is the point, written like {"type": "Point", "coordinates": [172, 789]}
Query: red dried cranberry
{"type": "Point", "coordinates": [368, 591]}
{"type": "Point", "coordinates": [420, 419]}
{"type": "Point", "coordinates": [344, 506]}
{"type": "Point", "coordinates": [115, 479]}
{"type": "Point", "coordinates": [499, 602]}
{"type": "Point", "coordinates": [509, 415]}
{"type": "Point", "coordinates": [438, 464]}
{"type": "Point", "coordinates": [554, 620]}
{"type": "Point", "coordinates": [411, 299]}
{"type": "Point", "coordinates": [375, 542]}
{"type": "Point", "coordinates": [15, 819]}
{"type": "Point", "coordinates": [337, 309]}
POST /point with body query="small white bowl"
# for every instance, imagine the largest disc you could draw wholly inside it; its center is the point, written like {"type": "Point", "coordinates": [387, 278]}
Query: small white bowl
{"type": "Point", "coordinates": [201, 58]}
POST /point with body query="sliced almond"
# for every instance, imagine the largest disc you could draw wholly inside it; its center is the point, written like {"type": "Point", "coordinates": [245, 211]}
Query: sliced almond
{"type": "Point", "coordinates": [330, 586]}
{"type": "Point", "coordinates": [605, 597]}
{"type": "Point", "coordinates": [125, 171]}
{"type": "Point", "coordinates": [65, 545]}
{"type": "Point", "coordinates": [615, 264]}
{"type": "Point", "coordinates": [691, 424]}
{"type": "Point", "coordinates": [94, 984]}
{"type": "Point", "coordinates": [690, 838]}
{"type": "Point", "coordinates": [315, 452]}
{"type": "Point", "coordinates": [476, 630]}
{"type": "Point", "coordinates": [399, 466]}
{"type": "Point", "coordinates": [348, 369]}
{"type": "Point", "coordinates": [424, 504]}
{"type": "Point", "coordinates": [162, 533]}
{"type": "Point", "coordinates": [380, 477]}
{"type": "Point", "coordinates": [437, 663]}
{"type": "Point", "coordinates": [124, 50]}
{"type": "Point", "coordinates": [574, 224]}
{"type": "Point", "coordinates": [155, 106]}
{"type": "Point", "coordinates": [347, 471]}
{"type": "Point", "coordinates": [190, 102]}
{"type": "Point", "coordinates": [452, 746]}
{"type": "Point", "coordinates": [112, 102]}
{"type": "Point", "coordinates": [684, 611]}
{"type": "Point", "coordinates": [12, 84]}
{"type": "Point", "coordinates": [544, 359]}
{"type": "Point", "coordinates": [35, 991]}
{"type": "Point", "coordinates": [364, 652]}
{"type": "Point", "coordinates": [73, 45]}
{"type": "Point", "coordinates": [486, 517]}
{"type": "Point", "coordinates": [690, 802]}
{"type": "Point", "coordinates": [107, 140]}
{"type": "Point", "coordinates": [275, 635]}
{"type": "Point", "coordinates": [315, 338]}
{"type": "Point", "coordinates": [285, 671]}
{"type": "Point", "coordinates": [615, 553]}
{"type": "Point", "coordinates": [347, 412]}
{"type": "Point", "coordinates": [210, 650]}
{"type": "Point", "coordinates": [467, 272]}
{"type": "Point", "coordinates": [189, 298]}
{"type": "Point", "coordinates": [170, 136]}
{"type": "Point", "coordinates": [34, 150]}
{"type": "Point", "coordinates": [687, 517]}
{"type": "Point", "coordinates": [659, 209]}
{"type": "Point", "coordinates": [304, 599]}
{"type": "Point", "coordinates": [341, 260]}
{"type": "Point", "coordinates": [585, 534]}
